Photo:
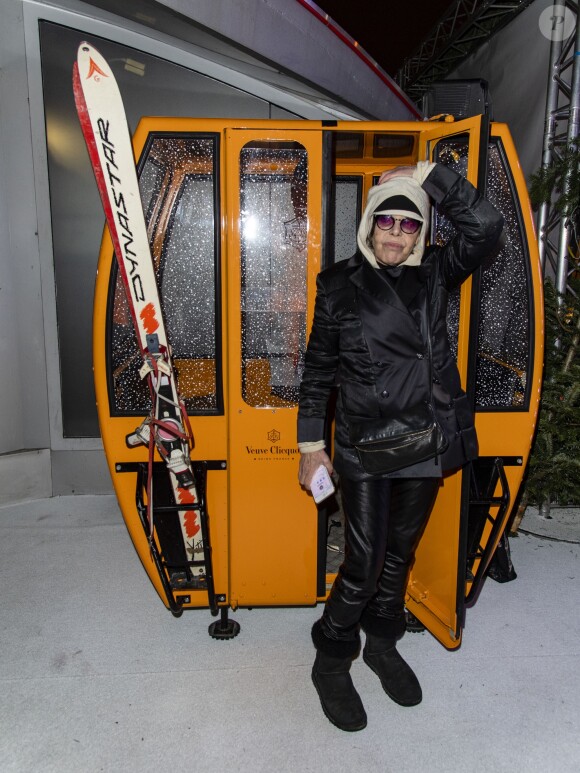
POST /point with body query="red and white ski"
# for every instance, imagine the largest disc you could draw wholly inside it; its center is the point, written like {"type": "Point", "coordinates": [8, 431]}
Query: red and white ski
{"type": "Point", "coordinates": [104, 125]}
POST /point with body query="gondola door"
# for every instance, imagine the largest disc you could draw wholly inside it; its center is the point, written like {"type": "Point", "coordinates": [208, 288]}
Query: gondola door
{"type": "Point", "coordinates": [274, 204]}
{"type": "Point", "coordinates": [495, 328]}
{"type": "Point", "coordinates": [435, 583]}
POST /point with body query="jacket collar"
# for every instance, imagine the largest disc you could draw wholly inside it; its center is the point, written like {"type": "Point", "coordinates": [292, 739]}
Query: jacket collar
{"type": "Point", "coordinates": [364, 277]}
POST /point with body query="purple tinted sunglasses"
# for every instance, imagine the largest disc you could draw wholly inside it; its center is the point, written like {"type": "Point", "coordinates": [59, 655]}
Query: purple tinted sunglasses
{"type": "Point", "coordinates": [408, 224]}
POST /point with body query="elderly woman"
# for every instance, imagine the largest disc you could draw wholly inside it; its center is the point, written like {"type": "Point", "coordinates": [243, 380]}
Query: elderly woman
{"type": "Point", "coordinates": [379, 333]}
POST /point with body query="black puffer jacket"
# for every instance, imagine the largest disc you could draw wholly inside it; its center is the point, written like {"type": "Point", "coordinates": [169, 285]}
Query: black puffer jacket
{"type": "Point", "coordinates": [370, 340]}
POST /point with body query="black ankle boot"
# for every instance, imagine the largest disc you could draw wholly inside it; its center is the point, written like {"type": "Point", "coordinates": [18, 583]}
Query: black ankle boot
{"type": "Point", "coordinates": [340, 701]}
{"type": "Point", "coordinates": [397, 678]}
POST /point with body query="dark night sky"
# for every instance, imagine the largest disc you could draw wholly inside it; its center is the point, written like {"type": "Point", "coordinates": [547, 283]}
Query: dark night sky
{"type": "Point", "coordinates": [388, 31]}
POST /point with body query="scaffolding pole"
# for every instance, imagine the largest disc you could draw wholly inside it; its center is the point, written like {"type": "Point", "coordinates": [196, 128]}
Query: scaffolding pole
{"type": "Point", "coordinates": [555, 231]}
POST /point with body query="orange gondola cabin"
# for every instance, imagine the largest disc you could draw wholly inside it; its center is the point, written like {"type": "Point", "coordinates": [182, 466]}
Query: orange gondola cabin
{"type": "Point", "coordinates": [242, 215]}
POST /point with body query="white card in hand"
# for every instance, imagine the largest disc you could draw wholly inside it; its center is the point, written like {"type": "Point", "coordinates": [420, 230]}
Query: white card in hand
{"type": "Point", "coordinates": [321, 484]}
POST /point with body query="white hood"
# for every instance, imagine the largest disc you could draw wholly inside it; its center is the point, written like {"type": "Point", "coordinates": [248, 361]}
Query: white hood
{"type": "Point", "coordinates": [398, 186]}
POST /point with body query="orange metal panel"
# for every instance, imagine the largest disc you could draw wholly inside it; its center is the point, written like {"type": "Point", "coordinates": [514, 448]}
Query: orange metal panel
{"type": "Point", "coordinates": [273, 522]}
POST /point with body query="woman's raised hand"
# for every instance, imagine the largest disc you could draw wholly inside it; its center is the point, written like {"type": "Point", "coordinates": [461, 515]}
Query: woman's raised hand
{"type": "Point", "coordinates": [398, 171]}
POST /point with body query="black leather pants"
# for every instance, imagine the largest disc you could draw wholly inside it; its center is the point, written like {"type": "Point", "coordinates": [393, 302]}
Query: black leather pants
{"type": "Point", "coordinates": [384, 520]}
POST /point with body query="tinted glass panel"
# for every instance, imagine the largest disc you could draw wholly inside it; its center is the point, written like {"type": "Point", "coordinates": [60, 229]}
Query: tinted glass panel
{"type": "Point", "coordinates": [504, 336]}
{"type": "Point", "coordinates": [347, 198]}
{"type": "Point", "coordinates": [178, 191]}
{"type": "Point", "coordinates": [349, 144]}
{"type": "Point", "coordinates": [504, 342]}
{"type": "Point", "coordinates": [273, 192]}
{"type": "Point", "coordinates": [393, 145]}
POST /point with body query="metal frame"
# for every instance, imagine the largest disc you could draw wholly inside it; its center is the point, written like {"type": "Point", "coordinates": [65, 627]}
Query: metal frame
{"type": "Point", "coordinates": [562, 129]}
{"type": "Point", "coordinates": [497, 522]}
{"type": "Point", "coordinates": [185, 585]}
{"type": "Point", "coordinates": [460, 31]}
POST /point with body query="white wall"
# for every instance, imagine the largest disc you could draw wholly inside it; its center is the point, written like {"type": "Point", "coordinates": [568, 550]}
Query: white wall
{"type": "Point", "coordinates": [515, 64]}
{"type": "Point", "coordinates": [23, 382]}
{"type": "Point", "coordinates": [23, 404]}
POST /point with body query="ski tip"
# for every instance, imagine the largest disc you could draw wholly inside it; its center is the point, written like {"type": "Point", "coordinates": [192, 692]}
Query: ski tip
{"type": "Point", "coordinates": [91, 64]}
{"type": "Point", "coordinates": [84, 49]}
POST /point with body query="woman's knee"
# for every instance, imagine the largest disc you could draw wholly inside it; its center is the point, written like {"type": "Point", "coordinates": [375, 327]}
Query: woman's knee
{"type": "Point", "coordinates": [411, 507]}
{"type": "Point", "coordinates": [350, 592]}
{"type": "Point", "coordinates": [361, 572]}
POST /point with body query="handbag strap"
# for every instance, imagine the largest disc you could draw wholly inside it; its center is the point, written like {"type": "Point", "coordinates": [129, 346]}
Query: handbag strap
{"type": "Point", "coordinates": [429, 344]}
